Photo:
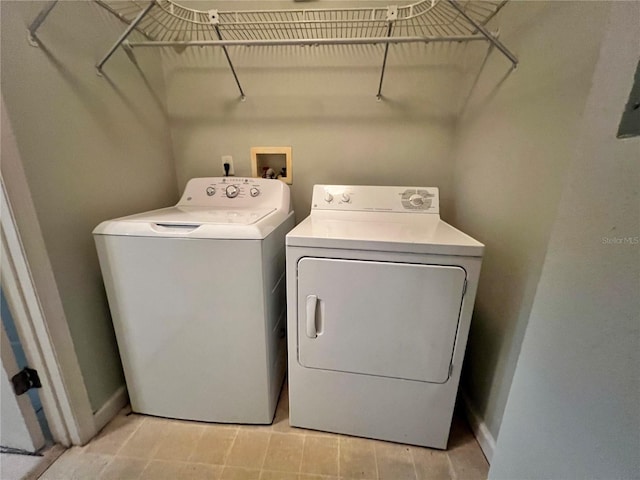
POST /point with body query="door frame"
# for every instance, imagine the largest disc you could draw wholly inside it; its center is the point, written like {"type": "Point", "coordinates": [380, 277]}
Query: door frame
{"type": "Point", "coordinates": [32, 439]}
{"type": "Point", "coordinates": [31, 291]}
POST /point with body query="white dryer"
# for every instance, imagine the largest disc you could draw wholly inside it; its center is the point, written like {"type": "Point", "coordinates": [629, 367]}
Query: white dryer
{"type": "Point", "coordinates": [380, 293]}
{"type": "Point", "coordinates": [197, 297]}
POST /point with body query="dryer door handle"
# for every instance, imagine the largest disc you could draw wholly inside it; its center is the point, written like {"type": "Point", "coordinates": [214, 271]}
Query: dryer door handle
{"type": "Point", "coordinates": [312, 302]}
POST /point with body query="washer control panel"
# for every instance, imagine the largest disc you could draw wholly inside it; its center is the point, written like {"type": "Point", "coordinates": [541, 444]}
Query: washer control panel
{"type": "Point", "coordinates": [376, 199]}
{"type": "Point", "coordinates": [234, 192]}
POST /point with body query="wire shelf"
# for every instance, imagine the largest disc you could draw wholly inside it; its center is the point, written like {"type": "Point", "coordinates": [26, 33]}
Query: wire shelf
{"type": "Point", "coordinates": [166, 23]}
{"type": "Point", "coordinates": [169, 22]}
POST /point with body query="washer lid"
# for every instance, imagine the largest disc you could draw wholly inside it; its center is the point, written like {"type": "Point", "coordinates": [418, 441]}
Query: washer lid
{"type": "Point", "coordinates": [392, 232]}
{"type": "Point", "coordinates": [201, 215]}
{"type": "Point", "coordinates": [197, 222]}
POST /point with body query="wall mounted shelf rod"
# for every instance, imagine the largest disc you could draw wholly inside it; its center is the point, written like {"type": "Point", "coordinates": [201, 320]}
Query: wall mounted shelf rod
{"type": "Point", "coordinates": [33, 28]}
{"type": "Point", "coordinates": [384, 63]}
{"type": "Point", "coordinates": [233, 70]}
{"type": "Point", "coordinates": [124, 35]}
{"type": "Point", "coordinates": [496, 43]}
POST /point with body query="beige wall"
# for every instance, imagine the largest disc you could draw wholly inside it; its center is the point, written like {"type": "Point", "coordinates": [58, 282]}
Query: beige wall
{"type": "Point", "coordinates": [92, 148]}
{"type": "Point", "coordinates": [575, 399]}
{"type": "Point", "coordinates": [513, 146]}
{"type": "Point", "coordinates": [322, 102]}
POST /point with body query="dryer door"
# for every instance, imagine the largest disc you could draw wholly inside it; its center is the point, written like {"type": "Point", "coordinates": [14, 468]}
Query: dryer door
{"type": "Point", "coordinates": [377, 318]}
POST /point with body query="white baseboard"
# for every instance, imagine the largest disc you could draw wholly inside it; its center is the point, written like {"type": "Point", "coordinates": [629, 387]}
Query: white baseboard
{"type": "Point", "coordinates": [479, 428]}
{"type": "Point", "coordinates": [111, 408]}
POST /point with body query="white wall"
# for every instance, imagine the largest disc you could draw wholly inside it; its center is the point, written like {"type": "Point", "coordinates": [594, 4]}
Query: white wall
{"type": "Point", "coordinates": [512, 147]}
{"type": "Point", "coordinates": [574, 407]}
{"type": "Point", "coordinates": [321, 101]}
{"type": "Point", "coordinates": [92, 148]}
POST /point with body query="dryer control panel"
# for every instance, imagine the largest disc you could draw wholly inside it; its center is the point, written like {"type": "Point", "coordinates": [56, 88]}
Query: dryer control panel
{"type": "Point", "coordinates": [236, 192]}
{"type": "Point", "coordinates": [376, 199]}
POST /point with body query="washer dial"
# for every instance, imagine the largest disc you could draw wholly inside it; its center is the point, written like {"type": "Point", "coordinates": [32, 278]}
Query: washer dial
{"type": "Point", "coordinates": [211, 191]}
{"type": "Point", "coordinates": [254, 192]}
{"type": "Point", "coordinates": [232, 191]}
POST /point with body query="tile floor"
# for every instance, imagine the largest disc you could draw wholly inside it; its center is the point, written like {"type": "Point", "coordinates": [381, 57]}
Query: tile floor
{"type": "Point", "coordinates": [149, 448]}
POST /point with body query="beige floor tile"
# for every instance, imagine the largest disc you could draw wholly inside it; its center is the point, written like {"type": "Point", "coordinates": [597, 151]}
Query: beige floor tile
{"type": "Point", "coordinates": [76, 464]}
{"type": "Point", "coordinates": [162, 470]}
{"type": "Point", "coordinates": [269, 475]}
{"type": "Point", "coordinates": [123, 468]}
{"type": "Point", "coordinates": [394, 462]}
{"type": "Point", "coordinates": [431, 464]}
{"type": "Point", "coordinates": [179, 440]}
{"type": "Point", "coordinates": [240, 473]}
{"type": "Point", "coordinates": [468, 462]}
{"type": "Point", "coordinates": [214, 445]}
{"type": "Point", "coordinates": [357, 458]}
{"type": "Point", "coordinates": [259, 454]}
{"type": "Point", "coordinates": [200, 471]}
{"type": "Point", "coordinates": [284, 452]}
{"type": "Point", "coordinates": [63, 467]}
{"type": "Point", "coordinates": [145, 440]}
{"type": "Point", "coordinates": [467, 459]}
{"type": "Point", "coordinates": [306, 476]}
{"type": "Point", "coordinates": [89, 465]}
{"type": "Point", "coordinates": [320, 455]}
{"type": "Point", "coordinates": [249, 449]}
{"type": "Point", "coordinates": [115, 434]}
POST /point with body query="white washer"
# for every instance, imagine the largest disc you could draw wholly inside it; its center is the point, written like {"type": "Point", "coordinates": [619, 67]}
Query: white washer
{"type": "Point", "coordinates": [197, 296]}
{"type": "Point", "coordinates": [380, 293]}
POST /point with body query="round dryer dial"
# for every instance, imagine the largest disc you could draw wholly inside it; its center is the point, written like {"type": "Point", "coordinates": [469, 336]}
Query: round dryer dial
{"type": "Point", "coordinates": [416, 200]}
{"type": "Point", "coordinates": [211, 191]}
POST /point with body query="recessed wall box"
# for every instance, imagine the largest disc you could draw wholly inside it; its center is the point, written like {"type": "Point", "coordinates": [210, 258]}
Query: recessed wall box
{"type": "Point", "coordinates": [272, 161]}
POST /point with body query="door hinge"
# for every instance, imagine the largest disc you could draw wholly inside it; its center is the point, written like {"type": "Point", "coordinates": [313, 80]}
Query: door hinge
{"type": "Point", "coordinates": [450, 369]}
{"type": "Point", "coordinates": [464, 287]}
{"type": "Point", "coordinates": [25, 380]}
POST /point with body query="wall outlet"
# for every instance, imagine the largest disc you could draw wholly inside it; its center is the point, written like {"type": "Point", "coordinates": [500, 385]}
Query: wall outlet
{"type": "Point", "coordinates": [228, 159]}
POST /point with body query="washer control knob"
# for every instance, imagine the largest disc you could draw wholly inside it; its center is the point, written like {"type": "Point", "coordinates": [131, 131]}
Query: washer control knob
{"type": "Point", "coordinates": [346, 198]}
{"type": "Point", "coordinates": [416, 200]}
{"type": "Point", "coordinates": [232, 191]}
{"type": "Point", "coordinates": [254, 192]}
{"type": "Point", "coordinates": [211, 191]}
{"type": "Point", "coordinates": [328, 197]}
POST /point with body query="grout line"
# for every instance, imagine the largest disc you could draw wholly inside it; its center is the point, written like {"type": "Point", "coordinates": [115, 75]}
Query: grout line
{"type": "Point", "coordinates": [304, 444]}
{"type": "Point", "coordinates": [339, 444]}
{"type": "Point", "coordinates": [228, 452]}
{"type": "Point", "coordinates": [195, 447]}
{"type": "Point", "coordinates": [113, 458]}
{"type": "Point", "coordinates": [452, 471]}
{"type": "Point", "coordinates": [413, 461]}
{"type": "Point", "coordinates": [135, 430]}
{"type": "Point", "coordinates": [264, 459]}
{"type": "Point", "coordinates": [375, 458]}
{"type": "Point", "coordinates": [143, 469]}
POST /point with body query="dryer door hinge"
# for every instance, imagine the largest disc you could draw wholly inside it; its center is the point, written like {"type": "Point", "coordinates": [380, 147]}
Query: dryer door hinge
{"type": "Point", "coordinates": [25, 380]}
{"type": "Point", "coordinates": [450, 369]}
{"type": "Point", "coordinates": [464, 287]}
